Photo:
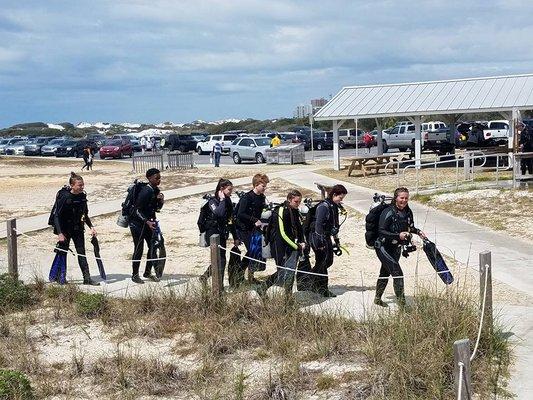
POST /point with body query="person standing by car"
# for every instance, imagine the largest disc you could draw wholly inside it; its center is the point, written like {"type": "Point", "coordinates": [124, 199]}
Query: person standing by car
{"type": "Point", "coordinates": [286, 238]}
{"type": "Point", "coordinates": [367, 140]}
{"type": "Point", "coordinates": [69, 215]}
{"type": "Point", "coordinates": [218, 222]}
{"type": "Point", "coordinates": [276, 140]}
{"type": "Point", "coordinates": [248, 218]}
{"type": "Point", "coordinates": [526, 146]}
{"type": "Point", "coordinates": [396, 225]}
{"type": "Point", "coordinates": [143, 223]}
{"type": "Point", "coordinates": [322, 231]}
{"type": "Point", "coordinates": [216, 153]}
{"type": "Point", "coordinates": [143, 144]}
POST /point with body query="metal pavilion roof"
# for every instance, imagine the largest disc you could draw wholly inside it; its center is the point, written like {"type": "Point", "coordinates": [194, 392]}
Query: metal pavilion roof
{"type": "Point", "coordinates": [459, 96]}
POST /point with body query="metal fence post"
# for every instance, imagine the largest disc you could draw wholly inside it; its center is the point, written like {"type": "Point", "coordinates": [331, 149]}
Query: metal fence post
{"type": "Point", "coordinates": [216, 266]}
{"type": "Point", "coordinates": [461, 354]}
{"type": "Point", "coordinates": [12, 262]}
{"type": "Point", "coordinates": [485, 275]}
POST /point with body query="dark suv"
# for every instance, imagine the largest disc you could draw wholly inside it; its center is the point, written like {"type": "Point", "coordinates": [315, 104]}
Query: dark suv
{"type": "Point", "coordinates": [74, 148]}
{"type": "Point", "coordinates": [322, 140]}
{"type": "Point", "coordinates": [182, 143]}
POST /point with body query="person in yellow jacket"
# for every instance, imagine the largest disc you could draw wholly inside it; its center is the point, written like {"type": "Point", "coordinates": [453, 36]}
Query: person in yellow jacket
{"type": "Point", "coordinates": [276, 141]}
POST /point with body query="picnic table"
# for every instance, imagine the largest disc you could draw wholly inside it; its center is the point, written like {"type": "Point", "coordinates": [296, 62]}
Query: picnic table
{"type": "Point", "coordinates": [367, 164]}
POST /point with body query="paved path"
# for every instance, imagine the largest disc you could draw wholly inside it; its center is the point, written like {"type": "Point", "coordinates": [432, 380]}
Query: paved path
{"type": "Point", "coordinates": [511, 262]}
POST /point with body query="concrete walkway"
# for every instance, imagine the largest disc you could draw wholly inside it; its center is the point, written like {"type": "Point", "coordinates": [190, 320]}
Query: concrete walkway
{"type": "Point", "coordinates": [511, 262]}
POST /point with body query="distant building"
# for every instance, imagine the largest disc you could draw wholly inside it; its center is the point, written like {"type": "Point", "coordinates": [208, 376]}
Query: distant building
{"type": "Point", "coordinates": [318, 102]}
{"type": "Point", "coordinates": [302, 111]}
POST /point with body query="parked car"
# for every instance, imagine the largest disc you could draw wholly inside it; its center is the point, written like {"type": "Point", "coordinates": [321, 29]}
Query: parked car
{"type": "Point", "coordinates": [74, 148]}
{"type": "Point", "coordinates": [50, 148]}
{"type": "Point", "coordinates": [17, 148]}
{"type": "Point", "coordinates": [8, 142]}
{"type": "Point", "coordinates": [225, 140]}
{"type": "Point", "coordinates": [116, 148]}
{"type": "Point", "coordinates": [33, 147]}
{"type": "Point", "coordinates": [401, 137]}
{"type": "Point", "coordinates": [497, 131]}
{"type": "Point", "coordinates": [136, 144]}
{"type": "Point", "coordinates": [98, 138]}
{"type": "Point", "coordinates": [439, 141]}
{"type": "Point", "coordinates": [249, 149]}
{"type": "Point", "coordinates": [322, 140]}
{"type": "Point", "coordinates": [348, 137]}
{"type": "Point", "coordinates": [182, 143]}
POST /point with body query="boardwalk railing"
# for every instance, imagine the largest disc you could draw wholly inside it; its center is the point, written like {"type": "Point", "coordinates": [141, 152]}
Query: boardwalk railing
{"type": "Point", "coordinates": [162, 161]}
{"type": "Point", "coordinates": [180, 161]}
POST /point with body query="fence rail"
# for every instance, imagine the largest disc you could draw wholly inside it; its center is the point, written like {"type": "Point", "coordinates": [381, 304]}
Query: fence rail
{"type": "Point", "coordinates": [162, 161]}
{"type": "Point", "coordinates": [470, 163]}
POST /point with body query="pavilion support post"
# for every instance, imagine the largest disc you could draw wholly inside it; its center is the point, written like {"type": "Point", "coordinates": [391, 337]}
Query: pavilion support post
{"type": "Point", "coordinates": [379, 138]}
{"type": "Point", "coordinates": [418, 141]}
{"type": "Point", "coordinates": [336, 156]}
{"type": "Point", "coordinates": [513, 123]}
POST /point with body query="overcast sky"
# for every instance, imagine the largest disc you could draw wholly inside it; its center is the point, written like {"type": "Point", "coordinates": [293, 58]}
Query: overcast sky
{"type": "Point", "coordinates": [159, 60]}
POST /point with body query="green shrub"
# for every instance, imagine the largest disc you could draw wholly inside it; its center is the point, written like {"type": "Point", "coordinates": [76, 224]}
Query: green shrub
{"type": "Point", "coordinates": [13, 294]}
{"type": "Point", "coordinates": [14, 385]}
{"type": "Point", "coordinates": [90, 305]}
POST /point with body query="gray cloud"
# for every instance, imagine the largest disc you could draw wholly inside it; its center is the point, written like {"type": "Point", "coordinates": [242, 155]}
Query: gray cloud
{"type": "Point", "coordinates": [168, 60]}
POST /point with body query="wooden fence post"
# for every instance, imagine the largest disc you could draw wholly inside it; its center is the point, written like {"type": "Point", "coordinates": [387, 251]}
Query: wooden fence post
{"type": "Point", "coordinates": [216, 273]}
{"type": "Point", "coordinates": [461, 354]}
{"type": "Point", "coordinates": [12, 262]}
{"type": "Point", "coordinates": [485, 275]}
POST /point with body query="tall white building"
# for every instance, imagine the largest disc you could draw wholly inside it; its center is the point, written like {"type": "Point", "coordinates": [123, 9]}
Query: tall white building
{"type": "Point", "coordinates": [302, 111]}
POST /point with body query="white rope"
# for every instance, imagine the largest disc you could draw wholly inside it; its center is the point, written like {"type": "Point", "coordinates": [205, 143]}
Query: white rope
{"type": "Point", "coordinates": [482, 313]}
{"type": "Point", "coordinates": [84, 255]}
{"type": "Point", "coordinates": [317, 274]}
{"type": "Point", "coordinates": [460, 386]}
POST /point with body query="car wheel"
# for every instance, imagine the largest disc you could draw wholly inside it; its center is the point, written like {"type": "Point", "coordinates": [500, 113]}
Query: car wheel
{"type": "Point", "coordinates": [402, 149]}
{"type": "Point", "coordinates": [342, 145]}
{"type": "Point", "coordinates": [237, 158]}
{"type": "Point", "coordinates": [120, 155]}
{"type": "Point", "coordinates": [75, 154]}
{"type": "Point", "coordinates": [199, 150]}
{"type": "Point", "coordinates": [181, 149]}
{"type": "Point", "coordinates": [385, 146]}
{"type": "Point", "coordinates": [319, 146]}
{"type": "Point", "coordinates": [259, 159]}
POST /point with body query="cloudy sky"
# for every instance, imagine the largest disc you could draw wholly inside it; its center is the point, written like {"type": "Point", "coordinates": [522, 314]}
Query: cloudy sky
{"type": "Point", "coordinates": [181, 60]}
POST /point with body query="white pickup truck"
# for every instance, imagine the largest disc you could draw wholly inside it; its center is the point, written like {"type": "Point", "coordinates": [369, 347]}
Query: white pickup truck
{"type": "Point", "coordinates": [206, 146]}
{"type": "Point", "coordinates": [400, 137]}
{"type": "Point", "coordinates": [497, 131]}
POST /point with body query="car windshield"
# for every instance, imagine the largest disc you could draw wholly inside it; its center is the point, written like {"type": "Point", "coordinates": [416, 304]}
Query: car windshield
{"type": "Point", "coordinates": [4, 141]}
{"type": "Point", "coordinates": [113, 142]}
{"type": "Point", "coordinates": [263, 142]}
{"type": "Point", "coordinates": [69, 143]}
{"type": "Point", "coordinates": [56, 141]}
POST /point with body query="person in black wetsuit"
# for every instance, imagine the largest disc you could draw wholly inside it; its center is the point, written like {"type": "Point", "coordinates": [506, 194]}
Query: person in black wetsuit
{"type": "Point", "coordinates": [396, 225]}
{"type": "Point", "coordinates": [286, 238]}
{"type": "Point", "coordinates": [248, 218]}
{"type": "Point", "coordinates": [142, 223]}
{"type": "Point", "coordinates": [526, 146]}
{"type": "Point", "coordinates": [70, 214]}
{"type": "Point", "coordinates": [219, 221]}
{"type": "Point", "coordinates": [322, 231]}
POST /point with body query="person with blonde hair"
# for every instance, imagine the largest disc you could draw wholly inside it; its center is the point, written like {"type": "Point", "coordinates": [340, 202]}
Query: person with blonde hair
{"type": "Point", "coordinates": [69, 216]}
{"type": "Point", "coordinates": [248, 218]}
